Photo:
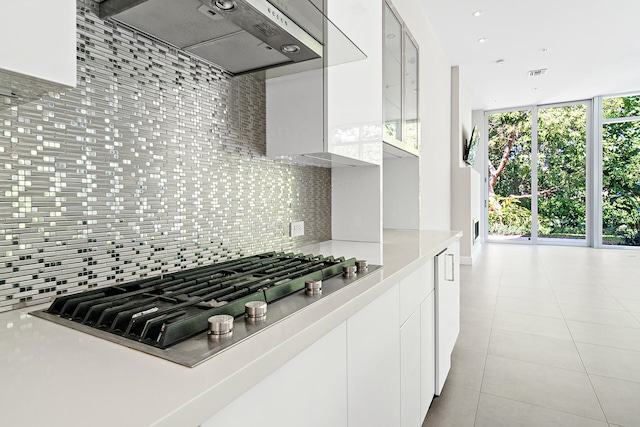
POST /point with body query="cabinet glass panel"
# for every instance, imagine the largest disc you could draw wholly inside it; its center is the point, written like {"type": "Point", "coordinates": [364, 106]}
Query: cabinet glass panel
{"type": "Point", "coordinates": [410, 101]}
{"type": "Point", "coordinates": [392, 75]}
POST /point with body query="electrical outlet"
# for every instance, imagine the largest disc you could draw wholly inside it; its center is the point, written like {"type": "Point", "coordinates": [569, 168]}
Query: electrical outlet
{"type": "Point", "coordinates": [296, 228]}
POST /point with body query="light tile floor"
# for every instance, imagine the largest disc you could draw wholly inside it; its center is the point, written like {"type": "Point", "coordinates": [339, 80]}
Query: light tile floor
{"type": "Point", "coordinates": [550, 336]}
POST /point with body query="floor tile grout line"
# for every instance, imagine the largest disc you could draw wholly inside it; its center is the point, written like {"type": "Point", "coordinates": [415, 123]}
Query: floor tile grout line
{"type": "Point", "coordinates": [604, 414]}
{"type": "Point", "coordinates": [625, 307]}
{"type": "Point", "coordinates": [533, 334]}
{"type": "Point", "coordinates": [486, 357]}
{"type": "Point", "coordinates": [543, 407]}
{"type": "Point", "coordinates": [613, 378]}
{"type": "Point", "coordinates": [531, 314]}
{"type": "Point", "coordinates": [599, 308]}
{"type": "Point", "coordinates": [602, 324]}
{"type": "Point", "coordinates": [538, 363]}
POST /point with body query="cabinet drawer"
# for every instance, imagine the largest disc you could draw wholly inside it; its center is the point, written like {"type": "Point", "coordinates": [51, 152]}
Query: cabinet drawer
{"type": "Point", "coordinates": [414, 289]}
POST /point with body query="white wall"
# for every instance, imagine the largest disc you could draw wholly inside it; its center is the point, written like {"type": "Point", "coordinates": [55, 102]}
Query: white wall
{"type": "Point", "coordinates": [465, 180]}
{"type": "Point", "coordinates": [356, 203]}
{"type": "Point", "coordinates": [435, 113]}
{"type": "Point", "coordinates": [401, 192]}
{"type": "Point", "coordinates": [295, 113]}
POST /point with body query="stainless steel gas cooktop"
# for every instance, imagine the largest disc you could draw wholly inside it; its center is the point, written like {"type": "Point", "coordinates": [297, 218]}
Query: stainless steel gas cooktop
{"type": "Point", "coordinates": [189, 316]}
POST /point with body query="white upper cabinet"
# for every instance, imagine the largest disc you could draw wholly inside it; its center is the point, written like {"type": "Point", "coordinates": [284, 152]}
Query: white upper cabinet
{"type": "Point", "coordinates": [400, 65]}
{"type": "Point", "coordinates": [332, 116]}
{"type": "Point", "coordinates": [354, 127]}
{"type": "Point", "coordinates": [38, 52]}
{"type": "Point", "coordinates": [392, 75]}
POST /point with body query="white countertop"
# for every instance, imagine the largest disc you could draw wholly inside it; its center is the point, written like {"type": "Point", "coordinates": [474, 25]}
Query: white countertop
{"type": "Point", "coordinates": [53, 375]}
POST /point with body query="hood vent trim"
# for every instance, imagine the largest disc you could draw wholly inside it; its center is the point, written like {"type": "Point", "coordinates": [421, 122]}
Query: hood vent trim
{"type": "Point", "coordinates": [254, 35]}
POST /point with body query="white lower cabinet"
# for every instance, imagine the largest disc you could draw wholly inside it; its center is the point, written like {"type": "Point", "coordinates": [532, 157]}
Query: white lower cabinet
{"type": "Point", "coordinates": [417, 350]}
{"type": "Point", "coordinates": [410, 378]}
{"type": "Point", "coordinates": [309, 390]}
{"type": "Point", "coordinates": [427, 354]}
{"type": "Point", "coordinates": [373, 363]}
{"type": "Point", "coordinates": [377, 369]}
{"type": "Point", "coordinates": [447, 309]}
{"type": "Point", "coordinates": [415, 288]}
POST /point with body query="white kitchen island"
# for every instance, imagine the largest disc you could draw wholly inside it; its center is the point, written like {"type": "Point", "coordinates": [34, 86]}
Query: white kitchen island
{"type": "Point", "coordinates": [54, 375]}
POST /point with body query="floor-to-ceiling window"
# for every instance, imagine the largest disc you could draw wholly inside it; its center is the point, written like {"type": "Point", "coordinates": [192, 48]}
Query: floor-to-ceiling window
{"type": "Point", "coordinates": [548, 183]}
{"type": "Point", "coordinates": [562, 173]}
{"type": "Point", "coordinates": [537, 174]}
{"type": "Point", "coordinates": [620, 170]}
{"type": "Point", "coordinates": [509, 180]}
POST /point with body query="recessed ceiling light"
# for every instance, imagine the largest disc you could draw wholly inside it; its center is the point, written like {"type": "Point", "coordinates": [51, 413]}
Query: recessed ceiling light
{"type": "Point", "coordinates": [478, 12]}
{"type": "Point", "coordinates": [391, 36]}
{"type": "Point", "coordinates": [544, 50]}
{"type": "Point", "coordinates": [483, 40]}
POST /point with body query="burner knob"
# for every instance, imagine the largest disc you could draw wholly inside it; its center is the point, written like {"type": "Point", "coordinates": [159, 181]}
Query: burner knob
{"type": "Point", "coordinates": [349, 270]}
{"type": "Point", "coordinates": [220, 325]}
{"type": "Point", "coordinates": [255, 310]}
{"type": "Point", "coordinates": [313, 287]}
{"type": "Point", "coordinates": [361, 265]}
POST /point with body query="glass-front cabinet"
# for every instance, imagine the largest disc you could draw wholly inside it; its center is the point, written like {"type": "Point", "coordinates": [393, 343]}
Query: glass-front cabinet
{"type": "Point", "coordinates": [400, 77]}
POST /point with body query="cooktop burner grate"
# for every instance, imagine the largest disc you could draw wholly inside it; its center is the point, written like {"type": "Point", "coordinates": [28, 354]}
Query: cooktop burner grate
{"type": "Point", "coordinates": [167, 310]}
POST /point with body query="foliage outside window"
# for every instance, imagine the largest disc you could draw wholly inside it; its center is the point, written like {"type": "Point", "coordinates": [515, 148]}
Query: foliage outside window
{"type": "Point", "coordinates": [561, 172]}
{"type": "Point", "coordinates": [561, 160]}
{"type": "Point", "coordinates": [510, 173]}
{"type": "Point", "coordinates": [621, 171]}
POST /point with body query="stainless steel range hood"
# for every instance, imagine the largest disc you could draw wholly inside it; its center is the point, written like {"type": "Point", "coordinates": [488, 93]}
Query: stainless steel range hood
{"type": "Point", "coordinates": [238, 35]}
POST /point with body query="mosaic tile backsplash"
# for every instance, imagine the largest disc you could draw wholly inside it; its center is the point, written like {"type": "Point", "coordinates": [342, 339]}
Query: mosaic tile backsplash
{"type": "Point", "coordinates": [154, 163]}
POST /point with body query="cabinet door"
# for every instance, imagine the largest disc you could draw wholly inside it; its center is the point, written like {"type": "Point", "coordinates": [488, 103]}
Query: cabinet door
{"type": "Point", "coordinates": [400, 65]}
{"type": "Point", "coordinates": [309, 390]}
{"type": "Point", "coordinates": [332, 113]}
{"type": "Point", "coordinates": [354, 105]}
{"type": "Point", "coordinates": [414, 289]}
{"type": "Point", "coordinates": [392, 64]}
{"type": "Point", "coordinates": [410, 378]}
{"type": "Point", "coordinates": [39, 40]}
{"type": "Point", "coordinates": [427, 354]}
{"type": "Point", "coordinates": [410, 95]}
{"type": "Point", "coordinates": [447, 310]}
{"type": "Point", "coordinates": [373, 363]}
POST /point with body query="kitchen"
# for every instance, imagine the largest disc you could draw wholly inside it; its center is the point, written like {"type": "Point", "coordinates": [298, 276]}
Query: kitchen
{"type": "Point", "coordinates": [156, 162]}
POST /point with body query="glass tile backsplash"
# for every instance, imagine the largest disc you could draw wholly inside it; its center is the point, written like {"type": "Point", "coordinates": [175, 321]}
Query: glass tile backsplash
{"type": "Point", "coordinates": [154, 163]}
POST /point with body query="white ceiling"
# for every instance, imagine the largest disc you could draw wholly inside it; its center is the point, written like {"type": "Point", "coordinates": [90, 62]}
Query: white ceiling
{"type": "Point", "coordinates": [593, 48]}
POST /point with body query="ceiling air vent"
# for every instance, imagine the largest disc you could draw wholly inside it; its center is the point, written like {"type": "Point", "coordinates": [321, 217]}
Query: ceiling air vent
{"type": "Point", "coordinates": [536, 73]}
